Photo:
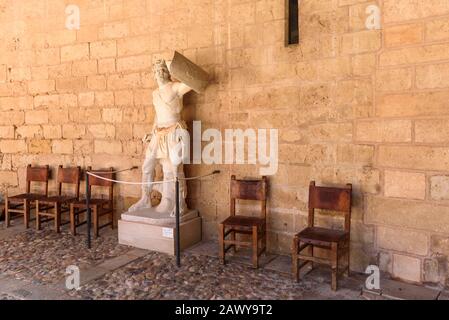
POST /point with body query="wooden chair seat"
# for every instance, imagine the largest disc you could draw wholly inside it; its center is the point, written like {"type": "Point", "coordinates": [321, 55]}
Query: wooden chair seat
{"type": "Point", "coordinates": [26, 196]}
{"type": "Point", "coordinates": [243, 221]}
{"type": "Point", "coordinates": [57, 199]}
{"type": "Point", "coordinates": [93, 202]}
{"type": "Point", "coordinates": [322, 236]}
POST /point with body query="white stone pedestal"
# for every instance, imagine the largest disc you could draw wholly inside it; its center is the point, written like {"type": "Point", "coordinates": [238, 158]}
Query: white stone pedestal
{"type": "Point", "coordinates": [148, 230]}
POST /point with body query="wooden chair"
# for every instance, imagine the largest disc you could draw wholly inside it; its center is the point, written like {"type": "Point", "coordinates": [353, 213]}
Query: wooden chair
{"type": "Point", "coordinates": [336, 242]}
{"type": "Point", "coordinates": [23, 203]}
{"type": "Point", "coordinates": [99, 207]}
{"type": "Point", "coordinates": [2, 210]}
{"type": "Point", "coordinates": [238, 224]}
{"type": "Point", "coordinates": [53, 207]}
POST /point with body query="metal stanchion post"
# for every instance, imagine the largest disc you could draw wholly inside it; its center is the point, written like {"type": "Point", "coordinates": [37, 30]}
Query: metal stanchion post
{"type": "Point", "coordinates": [178, 238]}
{"type": "Point", "coordinates": [89, 217]}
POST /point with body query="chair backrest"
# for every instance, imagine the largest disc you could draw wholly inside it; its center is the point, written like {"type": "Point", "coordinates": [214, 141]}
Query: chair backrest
{"type": "Point", "coordinates": [97, 182]}
{"type": "Point", "coordinates": [332, 199]}
{"type": "Point", "coordinates": [69, 176]}
{"type": "Point", "coordinates": [37, 174]}
{"type": "Point", "coordinates": [249, 190]}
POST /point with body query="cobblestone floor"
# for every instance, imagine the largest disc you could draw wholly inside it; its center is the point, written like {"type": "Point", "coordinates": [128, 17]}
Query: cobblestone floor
{"type": "Point", "coordinates": [156, 276]}
{"type": "Point", "coordinates": [43, 256]}
{"type": "Point", "coordinates": [4, 296]}
{"type": "Point", "coordinates": [33, 264]}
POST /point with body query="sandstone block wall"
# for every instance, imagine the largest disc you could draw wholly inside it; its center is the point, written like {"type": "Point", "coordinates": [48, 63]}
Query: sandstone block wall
{"type": "Point", "coordinates": [368, 107]}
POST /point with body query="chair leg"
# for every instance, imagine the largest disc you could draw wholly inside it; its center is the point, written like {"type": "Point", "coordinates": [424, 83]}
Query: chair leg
{"type": "Point", "coordinates": [26, 214]}
{"type": "Point", "coordinates": [72, 220]}
{"type": "Point", "coordinates": [348, 270]}
{"type": "Point", "coordinates": [255, 247]}
{"type": "Point", "coordinates": [295, 269]}
{"type": "Point", "coordinates": [7, 213]}
{"type": "Point", "coordinates": [265, 238]}
{"type": "Point", "coordinates": [38, 216]}
{"type": "Point", "coordinates": [233, 238]}
{"type": "Point", "coordinates": [221, 243]}
{"type": "Point", "coordinates": [334, 265]}
{"type": "Point", "coordinates": [311, 254]}
{"type": "Point", "coordinates": [96, 220]}
{"type": "Point", "coordinates": [57, 217]}
{"type": "Point", "coordinates": [112, 220]}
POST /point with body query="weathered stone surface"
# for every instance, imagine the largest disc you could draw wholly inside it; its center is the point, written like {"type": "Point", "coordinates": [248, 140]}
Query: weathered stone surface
{"type": "Point", "coordinates": [407, 213]}
{"type": "Point", "coordinates": [407, 268]}
{"type": "Point", "coordinates": [439, 187]}
{"type": "Point", "coordinates": [403, 35]}
{"type": "Point", "coordinates": [9, 178]}
{"type": "Point", "coordinates": [402, 240]}
{"type": "Point", "coordinates": [384, 131]}
{"type": "Point", "coordinates": [439, 245]}
{"type": "Point", "coordinates": [434, 269]}
{"type": "Point", "coordinates": [414, 157]}
{"type": "Point", "coordinates": [394, 79]}
{"type": "Point", "coordinates": [400, 184]}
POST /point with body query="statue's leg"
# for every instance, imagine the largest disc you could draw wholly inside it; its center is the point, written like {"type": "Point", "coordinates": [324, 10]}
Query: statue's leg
{"type": "Point", "coordinates": [182, 189]}
{"type": "Point", "coordinates": [147, 176]}
{"type": "Point", "coordinates": [178, 171]}
{"type": "Point", "coordinates": [168, 189]}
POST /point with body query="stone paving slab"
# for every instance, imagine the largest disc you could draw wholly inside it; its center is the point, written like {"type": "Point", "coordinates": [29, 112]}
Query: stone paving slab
{"type": "Point", "coordinates": [41, 257]}
{"type": "Point", "coordinates": [22, 290]}
{"type": "Point", "coordinates": [404, 291]}
{"type": "Point", "coordinates": [396, 290]}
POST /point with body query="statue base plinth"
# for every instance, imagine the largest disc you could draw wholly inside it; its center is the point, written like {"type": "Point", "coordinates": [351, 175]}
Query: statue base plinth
{"type": "Point", "coordinates": [147, 229]}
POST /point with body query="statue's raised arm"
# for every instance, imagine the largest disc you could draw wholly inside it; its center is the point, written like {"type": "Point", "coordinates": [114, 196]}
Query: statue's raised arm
{"type": "Point", "coordinates": [181, 88]}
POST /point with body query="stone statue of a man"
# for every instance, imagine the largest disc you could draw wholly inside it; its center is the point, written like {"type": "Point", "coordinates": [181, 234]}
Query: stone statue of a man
{"type": "Point", "coordinates": [164, 142]}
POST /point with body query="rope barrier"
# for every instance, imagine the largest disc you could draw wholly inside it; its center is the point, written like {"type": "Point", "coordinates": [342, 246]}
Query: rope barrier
{"type": "Point", "coordinates": [147, 183]}
{"type": "Point", "coordinates": [129, 182]}
{"type": "Point", "coordinates": [113, 172]}
{"type": "Point", "coordinates": [201, 177]}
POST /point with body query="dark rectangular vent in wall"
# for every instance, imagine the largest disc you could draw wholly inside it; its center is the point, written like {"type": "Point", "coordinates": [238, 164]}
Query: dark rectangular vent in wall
{"type": "Point", "coordinates": [292, 36]}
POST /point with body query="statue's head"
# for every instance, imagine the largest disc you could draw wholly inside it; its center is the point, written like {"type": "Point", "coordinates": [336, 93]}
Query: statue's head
{"type": "Point", "coordinates": [161, 72]}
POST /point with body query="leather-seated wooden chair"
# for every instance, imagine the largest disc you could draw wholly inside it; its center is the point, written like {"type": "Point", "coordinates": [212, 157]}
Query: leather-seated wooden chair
{"type": "Point", "coordinates": [2, 211]}
{"type": "Point", "coordinates": [99, 207]}
{"type": "Point", "coordinates": [336, 242]}
{"type": "Point", "coordinates": [22, 204]}
{"type": "Point", "coordinates": [53, 207]}
{"type": "Point", "coordinates": [249, 225]}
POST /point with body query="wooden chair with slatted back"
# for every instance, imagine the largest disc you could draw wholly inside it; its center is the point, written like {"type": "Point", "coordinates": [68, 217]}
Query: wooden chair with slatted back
{"type": "Point", "coordinates": [337, 242]}
{"type": "Point", "coordinates": [22, 204]}
{"type": "Point", "coordinates": [99, 207]}
{"type": "Point", "coordinates": [53, 207]}
{"type": "Point", "coordinates": [250, 225]}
